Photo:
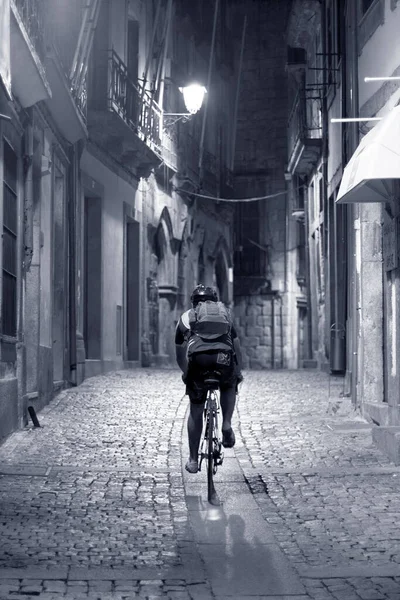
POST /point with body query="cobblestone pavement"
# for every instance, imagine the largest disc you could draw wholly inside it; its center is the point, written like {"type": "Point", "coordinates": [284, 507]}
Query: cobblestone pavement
{"type": "Point", "coordinates": [330, 496]}
{"type": "Point", "coordinates": [92, 504]}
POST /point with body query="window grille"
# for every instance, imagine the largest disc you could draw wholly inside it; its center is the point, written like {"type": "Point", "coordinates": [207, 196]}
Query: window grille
{"type": "Point", "coordinates": [9, 267]}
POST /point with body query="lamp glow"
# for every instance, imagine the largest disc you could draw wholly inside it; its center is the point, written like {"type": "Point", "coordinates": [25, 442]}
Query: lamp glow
{"type": "Point", "coordinates": [193, 96]}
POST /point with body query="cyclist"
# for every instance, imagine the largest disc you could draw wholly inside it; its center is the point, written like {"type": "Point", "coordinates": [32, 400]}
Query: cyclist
{"type": "Point", "coordinates": [195, 355]}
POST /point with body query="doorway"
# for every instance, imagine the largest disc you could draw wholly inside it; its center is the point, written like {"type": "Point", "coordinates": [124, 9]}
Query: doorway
{"type": "Point", "coordinates": [132, 290]}
{"type": "Point", "coordinates": [92, 277]}
{"type": "Point", "coordinates": [59, 274]}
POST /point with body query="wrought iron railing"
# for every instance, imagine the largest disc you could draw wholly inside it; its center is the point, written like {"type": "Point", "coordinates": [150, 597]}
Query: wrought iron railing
{"type": "Point", "coordinates": [304, 121]}
{"type": "Point", "coordinates": [296, 122]}
{"type": "Point", "coordinates": [31, 14]}
{"type": "Point", "coordinates": [137, 108]}
{"type": "Point", "coordinates": [80, 97]}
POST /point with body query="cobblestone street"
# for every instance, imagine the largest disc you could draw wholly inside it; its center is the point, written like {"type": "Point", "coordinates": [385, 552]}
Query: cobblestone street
{"type": "Point", "coordinates": [94, 503]}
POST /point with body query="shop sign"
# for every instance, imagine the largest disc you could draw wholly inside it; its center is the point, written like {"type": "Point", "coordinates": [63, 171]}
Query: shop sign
{"type": "Point", "coordinates": [389, 244]}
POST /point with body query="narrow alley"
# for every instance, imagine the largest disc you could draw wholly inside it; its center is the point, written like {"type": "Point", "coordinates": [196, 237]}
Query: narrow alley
{"type": "Point", "coordinates": [95, 503]}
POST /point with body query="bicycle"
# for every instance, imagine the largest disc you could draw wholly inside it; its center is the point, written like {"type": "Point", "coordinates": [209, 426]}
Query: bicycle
{"type": "Point", "coordinates": [211, 446]}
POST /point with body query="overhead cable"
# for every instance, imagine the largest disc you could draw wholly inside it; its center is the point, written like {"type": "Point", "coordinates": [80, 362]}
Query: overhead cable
{"type": "Point", "coordinates": [253, 199]}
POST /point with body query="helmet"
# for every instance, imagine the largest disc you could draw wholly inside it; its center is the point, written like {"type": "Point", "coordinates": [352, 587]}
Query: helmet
{"type": "Point", "coordinates": [202, 293]}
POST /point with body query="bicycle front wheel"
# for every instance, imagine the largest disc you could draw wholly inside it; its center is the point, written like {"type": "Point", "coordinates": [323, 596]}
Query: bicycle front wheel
{"type": "Point", "coordinates": [211, 436]}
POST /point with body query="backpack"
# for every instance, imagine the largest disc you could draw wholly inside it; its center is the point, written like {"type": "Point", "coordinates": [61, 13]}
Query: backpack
{"type": "Point", "coordinates": [210, 326]}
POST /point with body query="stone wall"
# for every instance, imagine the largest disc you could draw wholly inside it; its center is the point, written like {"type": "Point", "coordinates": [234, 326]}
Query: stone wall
{"type": "Point", "coordinates": [260, 322]}
{"type": "Point", "coordinates": [269, 340]}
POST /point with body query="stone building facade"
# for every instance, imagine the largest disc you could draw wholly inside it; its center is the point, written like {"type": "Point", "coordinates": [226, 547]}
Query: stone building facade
{"type": "Point", "coordinates": [104, 225]}
{"type": "Point", "coordinates": [265, 286]}
{"type": "Point", "coordinates": [354, 317]}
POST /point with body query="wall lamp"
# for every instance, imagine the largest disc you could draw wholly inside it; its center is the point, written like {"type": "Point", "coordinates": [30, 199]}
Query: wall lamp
{"type": "Point", "coordinates": [193, 97]}
{"type": "Point", "coordinates": [369, 79]}
{"type": "Point", "coordinates": [356, 119]}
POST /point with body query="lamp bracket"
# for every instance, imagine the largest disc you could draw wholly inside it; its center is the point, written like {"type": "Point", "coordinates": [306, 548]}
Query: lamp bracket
{"type": "Point", "coordinates": [169, 119]}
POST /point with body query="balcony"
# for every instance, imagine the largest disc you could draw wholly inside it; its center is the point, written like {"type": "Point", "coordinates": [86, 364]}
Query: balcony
{"type": "Point", "coordinates": [66, 106]}
{"type": "Point", "coordinates": [29, 81]}
{"type": "Point", "coordinates": [304, 137]}
{"type": "Point", "coordinates": [124, 119]}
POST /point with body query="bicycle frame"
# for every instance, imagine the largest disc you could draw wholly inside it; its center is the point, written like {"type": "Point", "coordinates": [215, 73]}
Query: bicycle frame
{"type": "Point", "coordinates": [211, 446]}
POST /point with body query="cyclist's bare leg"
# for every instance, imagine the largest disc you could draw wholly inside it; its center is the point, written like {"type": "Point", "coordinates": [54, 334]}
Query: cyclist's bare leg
{"type": "Point", "coordinates": [194, 427]}
{"type": "Point", "coordinates": [228, 401]}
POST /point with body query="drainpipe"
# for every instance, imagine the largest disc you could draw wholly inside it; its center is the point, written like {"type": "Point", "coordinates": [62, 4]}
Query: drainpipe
{"type": "Point", "coordinates": [72, 264]}
{"type": "Point", "coordinates": [353, 210]}
{"type": "Point", "coordinates": [308, 275]}
{"type": "Point", "coordinates": [27, 260]}
{"type": "Point", "coordinates": [272, 332]}
{"type": "Point", "coordinates": [325, 144]}
{"type": "Point", "coordinates": [28, 193]}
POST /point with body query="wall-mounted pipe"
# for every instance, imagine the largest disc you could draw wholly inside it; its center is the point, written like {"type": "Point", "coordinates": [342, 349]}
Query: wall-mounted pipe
{"type": "Point", "coordinates": [272, 332]}
{"type": "Point", "coordinates": [72, 263]}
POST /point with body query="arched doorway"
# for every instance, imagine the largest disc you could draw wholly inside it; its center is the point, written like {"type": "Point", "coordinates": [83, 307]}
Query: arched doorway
{"type": "Point", "coordinates": [165, 249]}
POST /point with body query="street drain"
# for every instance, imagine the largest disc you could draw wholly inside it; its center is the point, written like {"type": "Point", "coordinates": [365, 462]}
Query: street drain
{"type": "Point", "coordinates": [256, 484]}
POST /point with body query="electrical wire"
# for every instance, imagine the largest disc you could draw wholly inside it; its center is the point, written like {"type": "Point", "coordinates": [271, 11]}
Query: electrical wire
{"type": "Point", "coordinates": [254, 199]}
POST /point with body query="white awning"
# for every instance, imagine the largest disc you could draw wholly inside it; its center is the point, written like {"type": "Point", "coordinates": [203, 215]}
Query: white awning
{"type": "Point", "coordinates": [368, 174]}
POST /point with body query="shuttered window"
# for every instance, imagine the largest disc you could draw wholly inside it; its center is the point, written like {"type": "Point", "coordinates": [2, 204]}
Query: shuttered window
{"type": "Point", "coordinates": [9, 267]}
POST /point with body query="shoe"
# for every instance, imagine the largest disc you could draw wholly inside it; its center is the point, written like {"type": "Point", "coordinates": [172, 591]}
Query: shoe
{"type": "Point", "coordinates": [192, 466]}
{"type": "Point", "coordinates": [228, 438]}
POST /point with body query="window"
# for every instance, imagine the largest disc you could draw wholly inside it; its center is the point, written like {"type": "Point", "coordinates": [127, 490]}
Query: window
{"type": "Point", "coordinates": [250, 256]}
{"type": "Point", "coordinates": [9, 269]}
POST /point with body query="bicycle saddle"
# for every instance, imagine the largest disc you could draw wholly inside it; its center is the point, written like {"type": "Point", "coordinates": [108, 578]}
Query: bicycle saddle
{"type": "Point", "coordinates": [212, 379]}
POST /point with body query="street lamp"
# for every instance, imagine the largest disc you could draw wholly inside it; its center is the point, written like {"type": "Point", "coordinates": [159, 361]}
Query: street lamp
{"type": "Point", "coordinates": [193, 97]}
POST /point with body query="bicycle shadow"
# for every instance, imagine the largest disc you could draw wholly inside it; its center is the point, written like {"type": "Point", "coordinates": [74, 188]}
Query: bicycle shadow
{"type": "Point", "coordinates": [237, 559]}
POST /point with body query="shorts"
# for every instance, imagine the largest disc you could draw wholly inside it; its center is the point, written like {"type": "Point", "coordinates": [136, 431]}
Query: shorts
{"type": "Point", "coordinates": [201, 362]}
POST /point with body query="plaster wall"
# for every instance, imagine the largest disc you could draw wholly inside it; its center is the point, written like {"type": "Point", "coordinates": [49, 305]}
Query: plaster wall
{"type": "Point", "coordinates": [116, 192]}
{"type": "Point", "coordinates": [118, 17]}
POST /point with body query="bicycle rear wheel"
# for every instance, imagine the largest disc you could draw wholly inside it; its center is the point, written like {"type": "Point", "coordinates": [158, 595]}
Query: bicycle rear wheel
{"type": "Point", "coordinates": [211, 454]}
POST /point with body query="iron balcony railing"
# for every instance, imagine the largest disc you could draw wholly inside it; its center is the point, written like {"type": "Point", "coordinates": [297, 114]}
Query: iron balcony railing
{"type": "Point", "coordinates": [304, 121]}
{"type": "Point", "coordinates": [31, 13]}
{"type": "Point", "coordinates": [137, 108]}
{"type": "Point", "coordinates": [80, 97]}
{"type": "Point", "coordinates": [296, 122]}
